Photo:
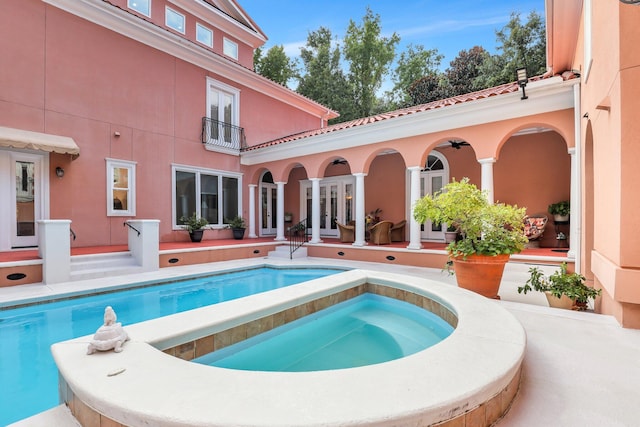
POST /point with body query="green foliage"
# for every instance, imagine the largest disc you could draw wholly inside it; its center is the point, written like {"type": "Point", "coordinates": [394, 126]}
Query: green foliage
{"type": "Point", "coordinates": [427, 89]}
{"type": "Point", "coordinates": [369, 56]}
{"type": "Point", "coordinates": [193, 222]}
{"type": "Point", "coordinates": [484, 228]}
{"type": "Point", "coordinates": [463, 70]}
{"type": "Point", "coordinates": [560, 208]}
{"type": "Point", "coordinates": [560, 283]}
{"type": "Point", "coordinates": [323, 79]}
{"type": "Point", "coordinates": [275, 65]}
{"type": "Point", "coordinates": [521, 45]}
{"type": "Point", "coordinates": [236, 222]}
{"type": "Point", "coordinates": [412, 64]}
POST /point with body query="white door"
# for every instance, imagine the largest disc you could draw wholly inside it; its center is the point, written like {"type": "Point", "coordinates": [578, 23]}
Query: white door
{"type": "Point", "coordinates": [329, 209]}
{"type": "Point", "coordinates": [430, 182]}
{"type": "Point", "coordinates": [268, 209]}
{"type": "Point", "coordinates": [25, 207]}
{"type": "Point", "coordinates": [336, 204]}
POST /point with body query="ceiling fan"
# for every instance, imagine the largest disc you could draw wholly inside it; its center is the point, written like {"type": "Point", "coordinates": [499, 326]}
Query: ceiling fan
{"type": "Point", "coordinates": [339, 162]}
{"type": "Point", "coordinates": [458, 144]}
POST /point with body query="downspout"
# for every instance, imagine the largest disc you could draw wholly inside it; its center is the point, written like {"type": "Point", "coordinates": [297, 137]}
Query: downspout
{"type": "Point", "coordinates": [576, 191]}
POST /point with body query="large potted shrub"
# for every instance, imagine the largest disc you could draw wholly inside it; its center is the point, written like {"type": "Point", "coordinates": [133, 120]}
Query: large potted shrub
{"type": "Point", "coordinates": [194, 224]}
{"type": "Point", "coordinates": [487, 233]}
{"type": "Point", "coordinates": [562, 289]}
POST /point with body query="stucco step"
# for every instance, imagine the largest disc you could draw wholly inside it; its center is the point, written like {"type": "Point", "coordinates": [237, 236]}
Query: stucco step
{"type": "Point", "coordinates": [283, 252]}
{"type": "Point", "coordinates": [101, 265]}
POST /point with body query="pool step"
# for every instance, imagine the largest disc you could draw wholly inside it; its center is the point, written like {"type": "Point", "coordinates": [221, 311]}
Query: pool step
{"type": "Point", "coordinates": [283, 252]}
{"type": "Point", "coordinates": [102, 265]}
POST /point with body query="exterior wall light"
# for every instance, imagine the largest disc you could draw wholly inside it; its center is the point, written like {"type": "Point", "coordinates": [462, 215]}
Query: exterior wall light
{"type": "Point", "coordinates": [522, 80]}
{"type": "Point", "coordinates": [59, 172]}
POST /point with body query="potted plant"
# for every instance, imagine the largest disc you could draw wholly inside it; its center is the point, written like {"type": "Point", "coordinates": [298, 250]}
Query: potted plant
{"type": "Point", "coordinates": [194, 224]}
{"type": "Point", "coordinates": [237, 225]}
{"type": "Point", "coordinates": [560, 211]}
{"type": "Point", "coordinates": [288, 217]}
{"type": "Point", "coordinates": [487, 233]}
{"type": "Point", "coordinates": [451, 234]}
{"type": "Point", "coordinates": [562, 289]}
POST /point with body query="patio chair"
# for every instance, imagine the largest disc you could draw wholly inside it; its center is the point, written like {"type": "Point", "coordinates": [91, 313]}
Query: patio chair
{"type": "Point", "coordinates": [380, 234]}
{"type": "Point", "coordinates": [347, 233]}
{"type": "Point", "coordinates": [397, 231]}
{"type": "Point", "coordinates": [534, 229]}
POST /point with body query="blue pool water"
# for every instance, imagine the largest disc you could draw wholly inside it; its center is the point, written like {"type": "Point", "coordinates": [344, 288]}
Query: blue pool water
{"type": "Point", "coordinates": [362, 331]}
{"type": "Point", "coordinates": [28, 374]}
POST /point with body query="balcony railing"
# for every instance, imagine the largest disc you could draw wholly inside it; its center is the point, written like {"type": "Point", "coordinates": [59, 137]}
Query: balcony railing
{"type": "Point", "coordinates": [222, 135]}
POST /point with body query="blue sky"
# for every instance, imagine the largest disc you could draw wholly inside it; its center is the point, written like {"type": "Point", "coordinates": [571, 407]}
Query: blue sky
{"type": "Point", "coordinates": [449, 25]}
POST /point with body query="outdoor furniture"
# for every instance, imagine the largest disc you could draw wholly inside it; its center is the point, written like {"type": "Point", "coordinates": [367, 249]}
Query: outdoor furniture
{"type": "Point", "coordinates": [347, 233]}
{"type": "Point", "coordinates": [534, 229]}
{"type": "Point", "coordinates": [380, 234]}
{"type": "Point", "coordinates": [397, 231]}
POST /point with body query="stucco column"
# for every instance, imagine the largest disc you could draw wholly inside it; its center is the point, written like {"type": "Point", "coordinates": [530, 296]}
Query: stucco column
{"type": "Point", "coordinates": [575, 227]}
{"type": "Point", "coordinates": [315, 210]}
{"type": "Point", "coordinates": [252, 211]}
{"type": "Point", "coordinates": [486, 168]}
{"type": "Point", "coordinates": [414, 196]}
{"type": "Point", "coordinates": [54, 247]}
{"type": "Point", "coordinates": [359, 240]}
{"type": "Point", "coordinates": [576, 214]}
{"type": "Point", "coordinates": [280, 213]}
{"type": "Point", "coordinates": [144, 242]}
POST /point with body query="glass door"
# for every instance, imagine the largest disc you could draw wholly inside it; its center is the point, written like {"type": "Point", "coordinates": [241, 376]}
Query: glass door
{"type": "Point", "coordinates": [431, 182]}
{"type": "Point", "coordinates": [25, 199]}
{"type": "Point", "coordinates": [268, 209]}
{"type": "Point", "coordinates": [328, 209]}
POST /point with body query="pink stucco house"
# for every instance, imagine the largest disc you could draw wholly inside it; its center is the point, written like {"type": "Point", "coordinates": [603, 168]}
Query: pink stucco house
{"type": "Point", "coordinates": [121, 109]}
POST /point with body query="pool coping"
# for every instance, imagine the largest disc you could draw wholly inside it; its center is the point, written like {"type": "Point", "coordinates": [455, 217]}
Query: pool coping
{"type": "Point", "coordinates": [475, 373]}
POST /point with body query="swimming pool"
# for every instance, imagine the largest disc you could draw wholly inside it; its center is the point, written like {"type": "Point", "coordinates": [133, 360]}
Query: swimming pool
{"type": "Point", "coordinates": [28, 374]}
{"type": "Point", "coordinates": [361, 331]}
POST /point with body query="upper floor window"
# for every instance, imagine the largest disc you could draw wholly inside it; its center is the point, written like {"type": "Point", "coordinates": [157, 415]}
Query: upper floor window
{"type": "Point", "coordinates": [230, 48]}
{"type": "Point", "coordinates": [140, 6]}
{"type": "Point", "coordinates": [223, 110]}
{"type": "Point", "coordinates": [204, 35]}
{"type": "Point", "coordinates": [174, 20]}
{"type": "Point", "coordinates": [121, 188]}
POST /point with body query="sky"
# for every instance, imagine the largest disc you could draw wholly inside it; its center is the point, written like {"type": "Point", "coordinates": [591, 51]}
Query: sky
{"type": "Point", "coordinates": [447, 25]}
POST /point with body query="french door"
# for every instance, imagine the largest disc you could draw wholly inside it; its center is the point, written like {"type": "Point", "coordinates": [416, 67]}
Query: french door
{"type": "Point", "coordinates": [268, 209]}
{"type": "Point", "coordinates": [431, 182]}
{"type": "Point", "coordinates": [25, 195]}
{"type": "Point", "coordinates": [336, 204]}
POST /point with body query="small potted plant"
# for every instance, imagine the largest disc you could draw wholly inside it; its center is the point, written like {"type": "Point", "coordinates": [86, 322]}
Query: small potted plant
{"type": "Point", "coordinates": [560, 211]}
{"type": "Point", "coordinates": [238, 226]}
{"type": "Point", "coordinates": [194, 224]}
{"type": "Point", "coordinates": [487, 233]}
{"type": "Point", "coordinates": [288, 217]}
{"type": "Point", "coordinates": [562, 289]}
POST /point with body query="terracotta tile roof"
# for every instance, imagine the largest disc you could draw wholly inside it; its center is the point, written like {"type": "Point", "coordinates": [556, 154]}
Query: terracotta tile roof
{"type": "Point", "coordinates": [473, 96]}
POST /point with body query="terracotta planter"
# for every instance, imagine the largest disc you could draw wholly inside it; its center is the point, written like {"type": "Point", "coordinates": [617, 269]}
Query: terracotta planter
{"type": "Point", "coordinates": [450, 236]}
{"type": "Point", "coordinates": [480, 273]}
{"type": "Point", "coordinates": [562, 302]}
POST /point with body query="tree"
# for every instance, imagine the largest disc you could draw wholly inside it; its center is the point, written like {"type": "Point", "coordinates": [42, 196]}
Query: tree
{"type": "Point", "coordinates": [463, 70]}
{"type": "Point", "coordinates": [323, 79]}
{"type": "Point", "coordinates": [413, 64]}
{"type": "Point", "coordinates": [520, 46]}
{"type": "Point", "coordinates": [275, 65]}
{"type": "Point", "coordinates": [369, 56]}
{"type": "Point", "coordinates": [427, 89]}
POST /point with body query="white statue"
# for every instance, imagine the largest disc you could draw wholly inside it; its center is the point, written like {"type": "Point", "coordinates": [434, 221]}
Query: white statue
{"type": "Point", "coordinates": [109, 336]}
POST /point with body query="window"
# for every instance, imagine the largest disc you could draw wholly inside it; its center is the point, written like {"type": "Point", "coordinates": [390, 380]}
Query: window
{"type": "Point", "coordinates": [121, 188]}
{"type": "Point", "coordinates": [230, 48]}
{"type": "Point", "coordinates": [204, 35]}
{"type": "Point", "coordinates": [140, 6]}
{"type": "Point", "coordinates": [223, 108]}
{"type": "Point", "coordinates": [174, 20]}
{"type": "Point", "coordinates": [213, 195]}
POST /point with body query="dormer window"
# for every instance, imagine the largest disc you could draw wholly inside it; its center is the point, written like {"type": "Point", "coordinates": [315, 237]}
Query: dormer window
{"type": "Point", "coordinates": [174, 20]}
{"type": "Point", "coordinates": [141, 6]}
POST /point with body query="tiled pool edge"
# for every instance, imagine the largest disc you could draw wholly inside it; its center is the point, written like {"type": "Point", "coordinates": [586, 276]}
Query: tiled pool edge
{"type": "Point", "coordinates": [485, 412]}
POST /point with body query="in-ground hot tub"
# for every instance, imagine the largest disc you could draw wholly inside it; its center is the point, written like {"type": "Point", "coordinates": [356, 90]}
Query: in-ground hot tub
{"type": "Point", "coordinates": [473, 374]}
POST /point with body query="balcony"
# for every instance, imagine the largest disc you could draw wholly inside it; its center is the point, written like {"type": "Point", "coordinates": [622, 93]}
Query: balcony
{"type": "Point", "coordinates": [222, 137]}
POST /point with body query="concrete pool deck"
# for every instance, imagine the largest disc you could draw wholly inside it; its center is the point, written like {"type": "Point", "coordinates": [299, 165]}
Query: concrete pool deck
{"type": "Point", "coordinates": [580, 369]}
